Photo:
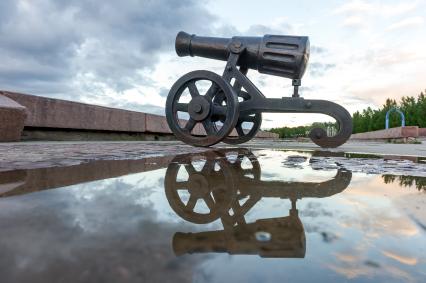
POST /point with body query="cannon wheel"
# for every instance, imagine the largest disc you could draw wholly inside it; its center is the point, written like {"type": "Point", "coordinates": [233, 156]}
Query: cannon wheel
{"type": "Point", "coordinates": [213, 185]}
{"type": "Point", "coordinates": [202, 110]}
{"type": "Point", "coordinates": [243, 135]}
{"type": "Point", "coordinates": [240, 171]}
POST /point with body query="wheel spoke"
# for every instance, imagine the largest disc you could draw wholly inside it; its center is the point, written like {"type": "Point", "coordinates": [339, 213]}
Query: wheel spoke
{"type": "Point", "coordinates": [193, 90]}
{"type": "Point", "coordinates": [209, 202]}
{"type": "Point", "coordinates": [212, 91]}
{"type": "Point", "coordinates": [208, 126]}
{"type": "Point", "coordinates": [208, 166]}
{"type": "Point", "coordinates": [190, 169]}
{"type": "Point", "coordinates": [191, 202]}
{"type": "Point", "coordinates": [183, 107]}
{"type": "Point", "coordinates": [219, 97]}
{"type": "Point", "coordinates": [182, 185]}
{"type": "Point", "coordinates": [190, 125]}
{"type": "Point", "coordinates": [239, 129]}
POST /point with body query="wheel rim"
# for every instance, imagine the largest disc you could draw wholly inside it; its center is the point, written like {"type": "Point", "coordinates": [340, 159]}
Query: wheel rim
{"type": "Point", "coordinates": [201, 128]}
{"type": "Point", "coordinates": [213, 185]}
{"type": "Point", "coordinates": [244, 134]}
{"type": "Point", "coordinates": [237, 166]}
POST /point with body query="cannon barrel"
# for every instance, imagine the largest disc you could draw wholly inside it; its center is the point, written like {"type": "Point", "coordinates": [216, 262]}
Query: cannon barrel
{"type": "Point", "coordinates": [287, 239]}
{"type": "Point", "coordinates": [278, 55]}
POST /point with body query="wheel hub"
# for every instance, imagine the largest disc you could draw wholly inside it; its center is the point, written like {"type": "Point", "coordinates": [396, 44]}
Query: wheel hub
{"type": "Point", "coordinates": [198, 185]}
{"type": "Point", "coordinates": [199, 108]}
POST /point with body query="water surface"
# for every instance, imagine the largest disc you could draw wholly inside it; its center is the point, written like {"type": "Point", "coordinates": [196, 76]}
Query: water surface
{"type": "Point", "coordinates": [228, 216]}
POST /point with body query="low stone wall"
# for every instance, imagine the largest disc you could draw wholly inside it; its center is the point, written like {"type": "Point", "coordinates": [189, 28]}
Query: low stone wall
{"type": "Point", "coordinates": [47, 114]}
{"type": "Point", "coordinates": [422, 132]}
{"type": "Point", "coordinates": [12, 119]}
{"type": "Point", "coordinates": [267, 135]}
{"type": "Point", "coordinates": [392, 133]}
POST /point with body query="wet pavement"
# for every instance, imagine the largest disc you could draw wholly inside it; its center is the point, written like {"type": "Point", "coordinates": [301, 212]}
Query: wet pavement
{"type": "Point", "coordinates": [233, 215]}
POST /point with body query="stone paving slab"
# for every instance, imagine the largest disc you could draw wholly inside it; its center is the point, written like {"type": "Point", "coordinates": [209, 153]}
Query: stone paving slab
{"type": "Point", "coordinates": [369, 147]}
{"type": "Point", "coordinates": [31, 155]}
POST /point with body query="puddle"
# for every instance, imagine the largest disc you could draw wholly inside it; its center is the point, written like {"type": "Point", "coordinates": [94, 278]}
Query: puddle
{"type": "Point", "coordinates": [225, 216]}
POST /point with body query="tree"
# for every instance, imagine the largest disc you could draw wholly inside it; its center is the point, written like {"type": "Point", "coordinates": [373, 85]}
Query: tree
{"type": "Point", "coordinates": [371, 119]}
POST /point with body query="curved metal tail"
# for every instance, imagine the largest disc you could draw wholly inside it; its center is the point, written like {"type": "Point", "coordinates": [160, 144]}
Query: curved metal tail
{"type": "Point", "coordinates": [343, 118]}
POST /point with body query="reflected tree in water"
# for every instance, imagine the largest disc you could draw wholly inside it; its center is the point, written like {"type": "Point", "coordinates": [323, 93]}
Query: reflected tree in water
{"type": "Point", "coordinates": [406, 181]}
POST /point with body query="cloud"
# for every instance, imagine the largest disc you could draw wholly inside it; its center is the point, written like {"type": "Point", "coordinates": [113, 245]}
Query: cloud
{"type": "Point", "coordinates": [121, 54]}
{"type": "Point", "coordinates": [354, 7]}
{"type": "Point", "coordinates": [407, 23]}
{"type": "Point", "coordinates": [318, 49]}
{"type": "Point", "coordinates": [280, 26]}
{"type": "Point", "coordinates": [354, 22]}
{"type": "Point", "coordinates": [387, 57]}
{"type": "Point", "coordinates": [401, 258]}
{"type": "Point", "coordinates": [317, 69]}
{"type": "Point", "coordinates": [360, 14]}
{"type": "Point", "coordinates": [76, 224]}
{"type": "Point", "coordinates": [47, 45]}
{"type": "Point", "coordinates": [375, 8]}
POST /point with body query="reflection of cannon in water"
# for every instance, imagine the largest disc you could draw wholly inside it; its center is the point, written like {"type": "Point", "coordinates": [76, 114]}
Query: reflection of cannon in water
{"type": "Point", "coordinates": [274, 237]}
{"type": "Point", "coordinates": [229, 184]}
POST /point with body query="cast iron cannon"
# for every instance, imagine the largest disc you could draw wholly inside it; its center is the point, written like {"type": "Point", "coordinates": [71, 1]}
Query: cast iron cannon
{"type": "Point", "coordinates": [216, 105]}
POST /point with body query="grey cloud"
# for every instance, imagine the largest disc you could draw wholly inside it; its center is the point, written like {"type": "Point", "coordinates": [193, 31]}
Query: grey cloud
{"type": "Point", "coordinates": [284, 28]}
{"type": "Point", "coordinates": [163, 92]}
{"type": "Point", "coordinates": [146, 108]}
{"type": "Point", "coordinates": [255, 30]}
{"type": "Point", "coordinates": [97, 231]}
{"type": "Point", "coordinates": [306, 88]}
{"type": "Point", "coordinates": [77, 49]}
{"type": "Point", "coordinates": [318, 49]}
{"type": "Point", "coordinates": [227, 31]}
{"type": "Point", "coordinates": [48, 42]}
{"type": "Point", "coordinates": [317, 69]}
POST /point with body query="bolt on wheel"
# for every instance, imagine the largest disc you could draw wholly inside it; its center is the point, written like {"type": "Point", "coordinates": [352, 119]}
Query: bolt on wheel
{"type": "Point", "coordinates": [191, 113]}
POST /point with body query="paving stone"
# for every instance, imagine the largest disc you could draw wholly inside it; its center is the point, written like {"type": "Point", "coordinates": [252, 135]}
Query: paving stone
{"type": "Point", "coordinates": [51, 154]}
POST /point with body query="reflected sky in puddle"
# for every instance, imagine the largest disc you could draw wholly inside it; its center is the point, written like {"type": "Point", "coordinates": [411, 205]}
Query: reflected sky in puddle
{"type": "Point", "coordinates": [235, 216]}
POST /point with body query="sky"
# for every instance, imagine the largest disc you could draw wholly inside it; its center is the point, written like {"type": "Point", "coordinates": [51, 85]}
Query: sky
{"type": "Point", "coordinates": [121, 53]}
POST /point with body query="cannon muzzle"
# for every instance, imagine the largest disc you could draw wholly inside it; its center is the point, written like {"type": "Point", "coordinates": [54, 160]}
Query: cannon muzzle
{"type": "Point", "coordinates": [278, 55]}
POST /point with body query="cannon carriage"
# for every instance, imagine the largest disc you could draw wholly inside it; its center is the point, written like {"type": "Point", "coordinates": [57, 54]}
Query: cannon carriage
{"type": "Point", "coordinates": [218, 105]}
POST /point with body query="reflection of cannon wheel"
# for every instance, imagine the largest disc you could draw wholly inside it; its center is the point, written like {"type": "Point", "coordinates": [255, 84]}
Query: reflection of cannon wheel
{"type": "Point", "coordinates": [201, 109]}
{"type": "Point", "coordinates": [244, 133]}
{"type": "Point", "coordinates": [213, 185]}
{"type": "Point", "coordinates": [238, 164]}
{"type": "Point", "coordinates": [245, 166]}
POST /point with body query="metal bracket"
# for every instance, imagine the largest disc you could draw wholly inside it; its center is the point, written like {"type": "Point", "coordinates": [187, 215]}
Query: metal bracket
{"type": "Point", "coordinates": [296, 83]}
